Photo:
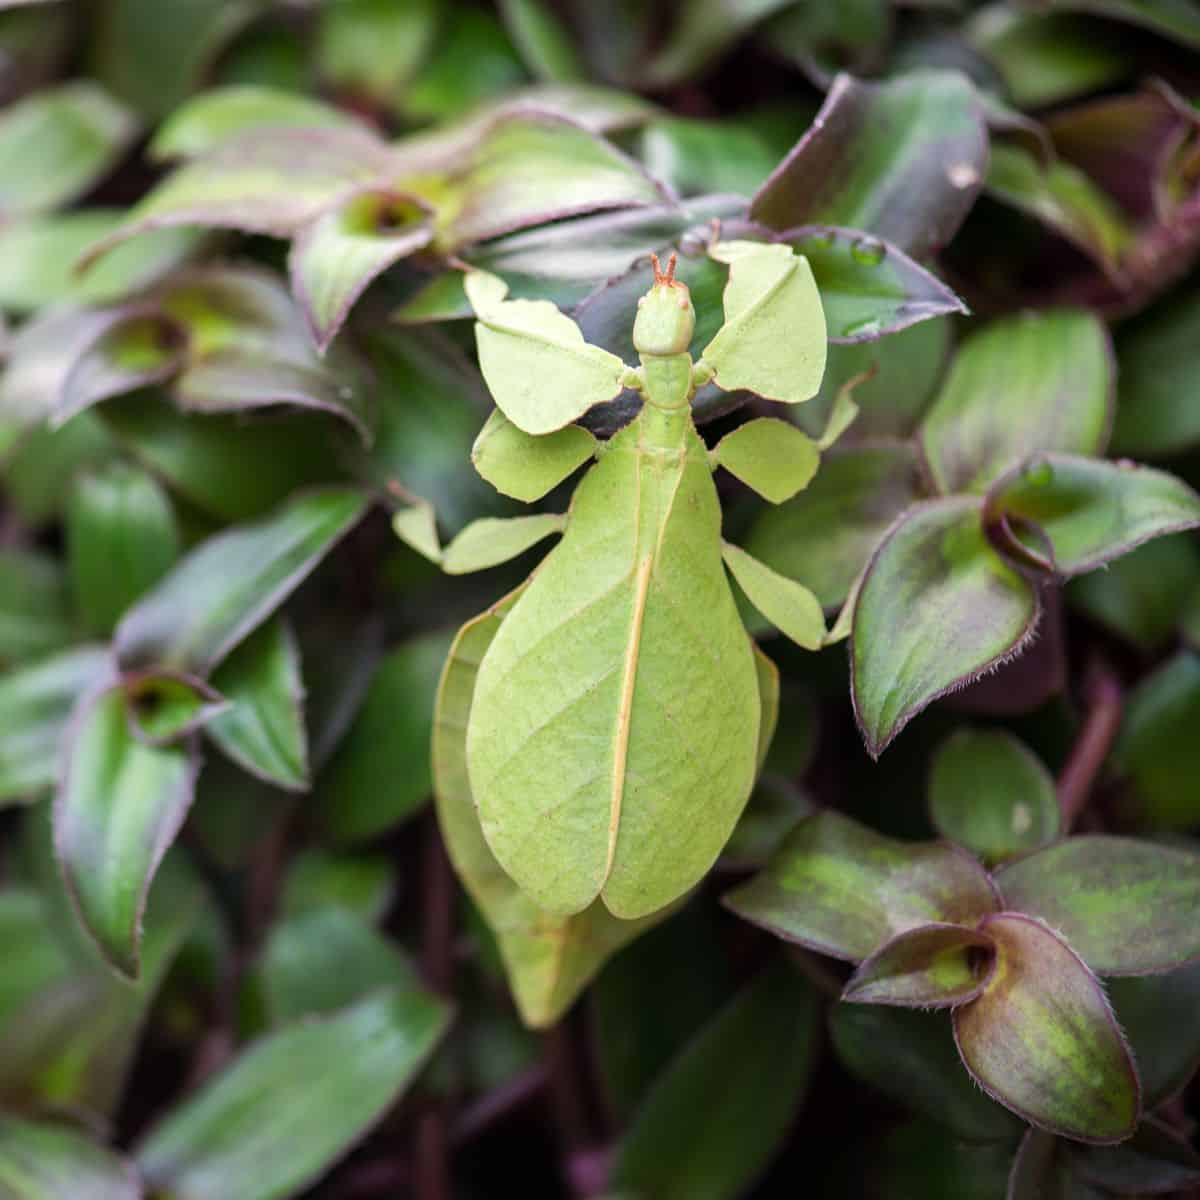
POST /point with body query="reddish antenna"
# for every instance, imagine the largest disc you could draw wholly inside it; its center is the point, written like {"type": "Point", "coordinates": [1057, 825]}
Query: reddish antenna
{"type": "Point", "coordinates": [667, 277]}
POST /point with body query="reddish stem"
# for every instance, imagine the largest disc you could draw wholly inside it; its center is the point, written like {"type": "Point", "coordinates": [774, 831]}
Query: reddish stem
{"type": "Point", "coordinates": [1102, 696]}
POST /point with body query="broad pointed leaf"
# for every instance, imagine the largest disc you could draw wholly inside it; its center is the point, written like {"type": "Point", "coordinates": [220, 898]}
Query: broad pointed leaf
{"type": "Point", "coordinates": [540, 371]}
{"type": "Point", "coordinates": [1127, 907]}
{"type": "Point", "coordinates": [364, 884]}
{"type": "Point", "coordinates": [903, 159]}
{"type": "Point", "coordinates": [1031, 383]}
{"type": "Point", "coordinates": [937, 608]}
{"type": "Point", "coordinates": [57, 143]}
{"type": "Point", "coordinates": [263, 729]}
{"type": "Point", "coordinates": [911, 1056]}
{"type": "Point", "coordinates": [1042, 1040]}
{"type": "Point", "coordinates": [773, 339]}
{"type": "Point", "coordinates": [593, 747]}
{"type": "Point", "coordinates": [346, 247]}
{"type": "Point", "coordinates": [227, 586]}
{"type": "Point", "coordinates": [35, 703]}
{"type": "Point", "coordinates": [119, 806]}
{"type": "Point", "coordinates": [549, 959]}
{"type": "Point", "coordinates": [869, 288]}
{"type": "Point", "coordinates": [1092, 511]}
{"type": "Point", "coordinates": [46, 1162]}
{"type": "Point", "coordinates": [122, 537]}
{"type": "Point", "coordinates": [788, 605]}
{"type": "Point", "coordinates": [542, 41]}
{"type": "Point", "coordinates": [930, 966]}
{"type": "Point", "coordinates": [526, 467]}
{"type": "Point", "coordinates": [770, 456]}
{"type": "Point", "coordinates": [843, 889]}
{"type": "Point", "coordinates": [990, 793]}
{"type": "Point", "coordinates": [687, 1141]}
{"type": "Point", "coordinates": [354, 1063]}
{"type": "Point", "coordinates": [826, 535]}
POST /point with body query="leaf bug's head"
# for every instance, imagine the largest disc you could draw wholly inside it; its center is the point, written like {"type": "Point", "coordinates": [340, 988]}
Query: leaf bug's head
{"type": "Point", "coordinates": [665, 318]}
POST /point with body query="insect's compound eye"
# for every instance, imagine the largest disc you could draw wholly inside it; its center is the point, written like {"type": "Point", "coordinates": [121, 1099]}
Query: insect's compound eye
{"type": "Point", "coordinates": [665, 319]}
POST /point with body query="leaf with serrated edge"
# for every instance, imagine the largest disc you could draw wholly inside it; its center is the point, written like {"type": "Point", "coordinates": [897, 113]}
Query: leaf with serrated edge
{"type": "Point", "coordinates": [788, 605]}
{"type": "Point", "coordinates": [549, 959]}
{"type": "Point", "coordinates": [937, 609]}
{"type": "Point", "coordinates": [1127, 907]}
{"type": "Point", "coordinates": [771, 456]}
{"type": "Point", "coordinates": [540, 371]}
{"type": "Point", "coordinates": [773, 339]}
{"type": "Point", "coordinates": [601, 697]}
{"type": "Point", "coordinates": [525, 467]}
{"type": "Point", "coordinates": [119, 806]}
{"type": "Point", "coordinates": [1042, 1039]}
{"type": "Point", "coordinates": [843, 889]}
{"type": "Point", "coordinates": [931, 966]}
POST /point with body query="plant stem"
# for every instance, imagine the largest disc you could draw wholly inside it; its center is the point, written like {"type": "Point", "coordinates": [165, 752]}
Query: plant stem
{"type": "Point", "coordinates": [493, 1106]}
{"type": "Point", "coordinates": [1102, 696]}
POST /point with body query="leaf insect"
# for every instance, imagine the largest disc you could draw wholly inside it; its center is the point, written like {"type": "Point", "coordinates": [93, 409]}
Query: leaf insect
{"type": "Point", "coordinates": [615, 728]}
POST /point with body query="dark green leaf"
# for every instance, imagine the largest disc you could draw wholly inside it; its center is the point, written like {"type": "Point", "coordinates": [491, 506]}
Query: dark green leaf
{"type": "Point", "coordinates": [990, 793]}
{"type": "Point", "coordinates": [1126, 907]}
{"type": "Point", "coordinates": [57, 143]}
{"type": "Point", "coordinates": [35, 703]}
{"type": "Point", "coordinates": [264, 731]}
{"type": "Point", "coordinates": [542, 41]}
{"type": "Point", "coordinates": [700, 33]}
{"type": "Point", "coordinates": [1091, 511]}
{"type": "Point", "coordinates": [52, 1162]}
{"type": "Point", "coordinates": [911, 1056]}
{"type": "Point", "coordinates": [324, 960]}
{"type": "Point", "coordinates": [1155, 749]}
{"type": "Point", "coordinates": [226, 587]}
{"type": "Point", "coordinates": [937, 608]}
{"type": "Point", "coordinates": [688, 1139]}
{"type": "Point", "coordinates": [903, 159]}
{"type": "Point", "coordinates": [1174, 19]}
{"type": "Point", "coordinates": [869, 288]}
{"type": "Point", "coordinates": [119, 806]}
{"type": "Point", "coordinates": [121, 539]}
{"type": "Point", "coordinates": [843, 889]}
{"type": "Point", "coordinates": [931, 966]}
{"type": "Point", "coordinates": [316, 879]}
{"type": "Point", "coordinates": [825, 535]}
{"type": "Point", "coordinates": [919, 1159]}
{"type": "Point", "coordinates": [35, 616]}
{"type": "Point", "coordinates": [1153, 1161]}
{"type": "Point", "coordinates": [697, 157]}
{"type": "Point", "coordinates": [380, 774]}
{"type": "Point", "coordinates": [1042, 1039]}
{"type": "Point", "coordinates": [353, 1064]}
{"type": "Point", "coordinates": [373, 48]}
{"type": "Point", "coordinates": [1057, 366]}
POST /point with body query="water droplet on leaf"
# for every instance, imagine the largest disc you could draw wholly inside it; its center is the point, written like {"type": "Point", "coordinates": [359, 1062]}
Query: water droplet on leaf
{"type": "Point", "coordinates": [864, 327]}
{"type": "Point", "coordinates": [868, 251]}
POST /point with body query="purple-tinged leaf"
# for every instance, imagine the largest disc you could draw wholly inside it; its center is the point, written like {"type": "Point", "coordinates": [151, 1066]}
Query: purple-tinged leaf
{"type": "Point", "coordinates": [911, 1056]}
{"type": "Point", "coordinates": [1038, 1170]}
{"type": "Point", "coordinates": [990, 793]}
{"type": "Point", "coordinates": [269, 181]}
{"type": "Point", "coordinates": [46, 1161]}
{"type": "Point", "coordinates": [1042, 1039]}
{"type": "Point", "coordinates": [937, 609]}
{"type": "Point", "coordinates": [902, 159]}
{"type": "Point", "coordinates": [35, 704]}
{"type": "Point", "coordinates": [227, 586]}
{"type": "Point", "coordinates": [826, 534]}
{"type": "Point", "coordinates": [1035, 382]}
{"type": "Point", "coordinates": [1087, 511]}
{"type": "Point", "coordinates": [263, 730]}
{"type": "Point", "coordinates": [869, 288]}
{"type": "Point", "coordinates": [531, 167]}
{"type": "Point", "coordinates": [1174, 19]}
{"type": "Point", "coordinates": [930, 966]}
{"type": "Point", "coordinates": [334, 258]}
{"type": "Point", "coordinates": [165, 706]}
{"type": "Point", "coordinates": [1127, 907]}
{"type": "Point", "coordinates": [119, 805]}
{"type": "Point", "coordinates": [843, 889]}
{"type": "Point", "coordinates": [687, 1141]}
{"type": "Point", "coordinates": [1154, 1161]}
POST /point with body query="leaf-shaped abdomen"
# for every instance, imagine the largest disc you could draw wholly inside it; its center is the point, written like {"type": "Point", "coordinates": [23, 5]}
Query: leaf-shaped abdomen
{"type": "Point", "coordinates": [611, 742]}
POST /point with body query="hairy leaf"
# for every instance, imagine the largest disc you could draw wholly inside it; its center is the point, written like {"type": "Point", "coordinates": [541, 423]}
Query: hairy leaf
{"type": "Point", "coordinates": [929, 966]}
{"type": "Point", "coordinates": [1126, 907]}
{"type": "Point", "coordinates": [937, 608]}
{"type": "Point", "coordinates": [1042, 1039]}
{"type": "Point", "coordinates": [843, 889]}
